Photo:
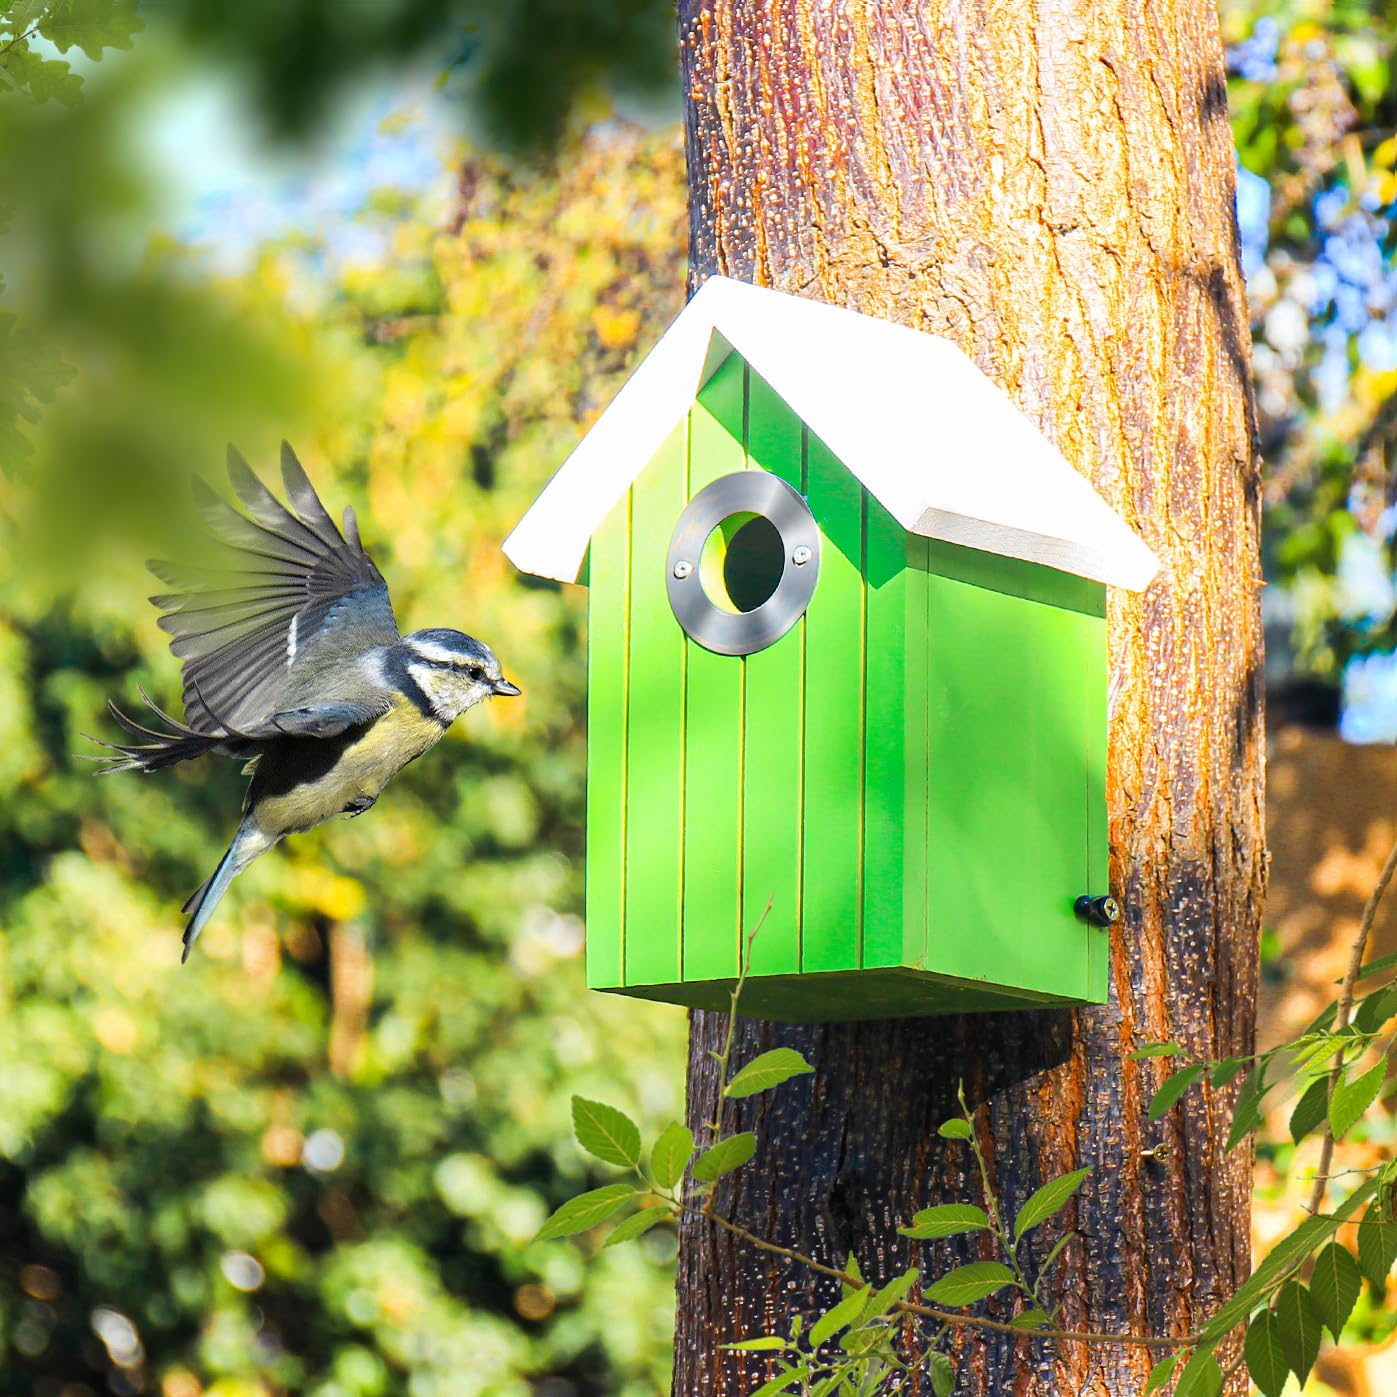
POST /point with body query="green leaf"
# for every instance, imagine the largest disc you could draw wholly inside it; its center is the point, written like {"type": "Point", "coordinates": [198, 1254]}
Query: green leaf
{"type": "Point", "coordinates": [955, 1129]}
{"type": "Point", "coordinates": [1246, 1115]}
{"type": "Point", "coordinates": [1376, 1009]}
{"type": "Point", "coordinates": [637, 1225]}
{"type": "Point", "coordinates": [1201, 1378]}
{"type": "Point", "coordinates": [1041, 1205]}
{"type": "Point", "coordinates": [946, 1220]}
{"type": "Point", "coordinates": [896, 1289]}
{"type": "Point", "coordinates": [1174, 1087]}
{"type": "Point", "coordinates": [1225, 1071]}
{"type": "Point", "coordinates": [1297, 1329]}
{"type": "Point", "coordinates": [1161, 1373]}
{"type": "Point", "coordinates": [767, 1071]}
{"type": "Point", "coordinates": [1352, 1099]}
{"type": "Point", "coordinates": [1334, 1287]}
{"type": "Point", "coordinates": [1031, 1319]}
{"type": "Point", "coordinates": [724, 1157]}
{"type": "Point", "coordinates": [1312, 1109]}
{"type": "Point", "coordinates": [584, 1211]}
{"type": "Point", "coordinates": [1300, 1243]}
{"type": "Point", "coordinates": [846, 1312]}
{"type": "Point", "coordinates": [783, 1382]}
{"type": "Point", "coordinates": [768, 1343]}
{"type": "Point", "coordinates": [943, 1375]}
{"type": "Point", "coordinates": [1266, 1361]}
{"type": "Point", "coordinates": [604, 1131]}
{"type": "Point", "coordinates": [1377, 1247]}
{"type": "Point", "coordinates": [1376, 967]}
{"type": "Point", "coordinates": [967, 1284]}
{"type": "Point", "coordinates": [1147, 1050]}
{"type": "Point", "coordinates": [1056, 1252]}
{"type": "Point", "coordinates": [671, 1154]}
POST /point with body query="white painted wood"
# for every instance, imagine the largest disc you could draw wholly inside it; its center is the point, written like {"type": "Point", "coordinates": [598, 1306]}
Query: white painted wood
{"type": "Point", "coordinates": [936, 442]}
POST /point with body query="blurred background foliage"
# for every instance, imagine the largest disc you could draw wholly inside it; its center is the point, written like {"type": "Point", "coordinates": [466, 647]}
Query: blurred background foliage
{"type": "Point", "coordinates": [311, 1161]}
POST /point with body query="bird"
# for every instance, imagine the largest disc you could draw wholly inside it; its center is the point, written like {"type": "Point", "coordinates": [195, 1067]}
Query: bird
{"type": "Point", "coordinates": [292, 662]}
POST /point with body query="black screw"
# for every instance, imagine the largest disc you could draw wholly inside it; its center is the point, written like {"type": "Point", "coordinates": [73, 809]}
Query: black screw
{"type": "Point", "coordinates": [1099, 911]}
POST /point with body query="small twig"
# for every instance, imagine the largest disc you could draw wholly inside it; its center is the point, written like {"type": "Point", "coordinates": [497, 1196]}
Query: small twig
{"type": "Point", "coordinates": [1341, 1013]}
{"type": "Point", "coordinates": [948, 1317]}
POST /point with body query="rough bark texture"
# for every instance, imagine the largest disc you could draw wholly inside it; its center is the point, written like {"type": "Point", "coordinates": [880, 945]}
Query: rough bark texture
{"type": "Point", "coordinates": [1050, 186]}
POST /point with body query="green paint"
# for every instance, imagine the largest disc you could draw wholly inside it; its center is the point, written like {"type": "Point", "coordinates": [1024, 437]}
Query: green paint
{"type": "Point", "coordinates": [713, 718]}
{"type": "Point", "coordinates": [607, 668]}
{"type": "Point", "coordinates": [834, 665]}
{"type": "Point", "coordinates": [888, 594]}
{"type": "Point", "coordinates": [914, 774]}
{"type": "Point", "coordinates": [772, 747]}
{"type": "Point", "coordinates": [655, 728]}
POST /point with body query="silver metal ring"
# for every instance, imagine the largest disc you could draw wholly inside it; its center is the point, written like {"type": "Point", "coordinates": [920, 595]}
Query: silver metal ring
{"type": "Point", "coordinates": [739, 632]}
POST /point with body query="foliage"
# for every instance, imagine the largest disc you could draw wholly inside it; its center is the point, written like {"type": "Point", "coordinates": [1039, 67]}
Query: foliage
{"type": "Point", "coordinates": [1314, 112]}
{"type": "Point", "coordinates": [313, 1160]}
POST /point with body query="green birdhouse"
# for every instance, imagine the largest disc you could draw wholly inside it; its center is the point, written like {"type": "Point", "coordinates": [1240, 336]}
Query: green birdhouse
{"type": "Point", "coordinates": [847, 672]}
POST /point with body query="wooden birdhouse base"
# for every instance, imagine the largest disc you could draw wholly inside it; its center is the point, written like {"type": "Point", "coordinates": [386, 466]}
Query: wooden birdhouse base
{"type": "Point", "coordinates": [897, 992]}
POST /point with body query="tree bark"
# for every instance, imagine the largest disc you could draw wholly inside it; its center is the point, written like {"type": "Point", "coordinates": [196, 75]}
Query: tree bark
{"type": "Point", "coordinates": [1051, 187]}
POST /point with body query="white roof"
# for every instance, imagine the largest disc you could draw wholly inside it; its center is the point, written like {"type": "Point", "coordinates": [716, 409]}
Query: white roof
{"type": "Point", "coordinates": [938, 444]}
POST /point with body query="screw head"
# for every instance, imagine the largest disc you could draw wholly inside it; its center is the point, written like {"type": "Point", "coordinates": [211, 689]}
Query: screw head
{"type": "Point", "coordinates": [683, 568]}
{"type": "Point", "coordinates": [801, 556]}
{"type": "Point", "coordinates": [1102, 911]}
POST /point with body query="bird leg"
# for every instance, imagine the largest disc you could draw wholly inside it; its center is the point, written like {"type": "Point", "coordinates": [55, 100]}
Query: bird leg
{"type": "Point", "coordinates": [358, 805]}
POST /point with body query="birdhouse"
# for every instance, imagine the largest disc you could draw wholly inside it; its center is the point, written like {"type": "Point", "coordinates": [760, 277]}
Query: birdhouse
{"type": "Point", "coordinates": [846, 657]}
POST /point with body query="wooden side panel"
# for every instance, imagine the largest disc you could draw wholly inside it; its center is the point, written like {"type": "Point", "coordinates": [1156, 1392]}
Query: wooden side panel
{"type": "Point", "coordinates": [713, 717]}
{"type": "Point", "coordinates": [774, 724]}
{"type": "Point", "coordinates": [655, 728]}
{"type": "Point", "coordinates": [608, 621]}
{"type": "Point", "coordinates": [834, 682]}
{"type": "Point", "coordinates": [916, 716]}
{"type": "Point", "coordinates": [887, 596]}
{"type": "Point", "coordinates": [1096, 681]}
{"type": "Point", "coordinates": [1008, 781]}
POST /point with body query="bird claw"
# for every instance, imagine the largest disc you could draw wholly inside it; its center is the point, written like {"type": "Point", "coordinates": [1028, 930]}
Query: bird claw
{"type": "Point", "coordinates": [358, 805]}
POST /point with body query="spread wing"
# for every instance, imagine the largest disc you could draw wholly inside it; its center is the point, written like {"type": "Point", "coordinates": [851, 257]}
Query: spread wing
{"type": "Point", "coordinates": [281, 633]}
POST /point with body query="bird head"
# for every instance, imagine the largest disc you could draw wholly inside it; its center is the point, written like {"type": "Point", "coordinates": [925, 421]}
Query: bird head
{"type": "Point", "coordinates": [454, 670]}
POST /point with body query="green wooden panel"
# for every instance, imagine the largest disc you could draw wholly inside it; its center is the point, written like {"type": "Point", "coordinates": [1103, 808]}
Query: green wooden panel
{"type": "Point", "coordinates": [1017, 578]}
{"type": "Point", "coordinates": [713, 719]}
{"type": "Point", "coordinates": [834, 660]}
{"type": "Point", "coordinates": [772, 746]}
{"type": "Point", "coordinates": [889, 588]}
{"type": "Point", "coordinates": [608, 568]}
{"type": "Point", "coordinates": [1095, 678]}
{"type": "Point", "coordinates": [1007, 789]}
{"type": "Point", "coordinates": [655, 728]}
{"type": "Point", "coordinates": [916, 715]}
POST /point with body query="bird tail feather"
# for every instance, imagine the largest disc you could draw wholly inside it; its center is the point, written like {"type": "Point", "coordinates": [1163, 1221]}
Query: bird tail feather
{"type": "Point", "coordinates": [160, 747]}
{"type": "Point", "coordinates": [247, 844]}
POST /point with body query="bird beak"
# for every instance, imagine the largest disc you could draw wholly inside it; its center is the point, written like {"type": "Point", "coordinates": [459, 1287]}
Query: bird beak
{"type": "Point", "coordinates": [505, 689]}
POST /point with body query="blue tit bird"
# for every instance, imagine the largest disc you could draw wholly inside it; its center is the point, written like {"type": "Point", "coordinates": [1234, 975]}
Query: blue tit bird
{"type": "Point", "coordinates": [292, 663]}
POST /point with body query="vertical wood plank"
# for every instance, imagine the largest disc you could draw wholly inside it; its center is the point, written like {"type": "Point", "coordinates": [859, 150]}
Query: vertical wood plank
{"type": "Point", "coordinates": [713, 720]}
{"type": "Point", "coordinates": [607, 663]}
{"type": "Point", "coordinates": [887, 592]}
{"type": "Point", "coordinates": [773, 730]}
{"type": "Point", "coordinates": [834, 658]}
{"type": "Point", "coordinates": [655, 728]}
{"type": "Point", "coordinates": [916, 752]}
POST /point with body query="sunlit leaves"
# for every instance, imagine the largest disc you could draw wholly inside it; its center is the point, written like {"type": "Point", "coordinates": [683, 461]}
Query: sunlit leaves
{"type": "Point", "coordinates": [1377, 1246]}
{"type": "Point", "coordinates": [967, 1284]}
{"type": "Point", "coordinates": [1173, 1088]}
{"type": "Point", "coordinates": [767, 1071]}
{"type": "Point", "coordinates": [671, 1154]}
{"type": "Point", "coordinates": [1334, 1286]}
{"type": "Point", "coordinates": [725, 1156]}
{"type": "Point", "coordinates": [1352, 1099]}
{"type": "Point", "coordinates": [946, 1220]}
{"type": "Point", "coordinates": [604, 1131]}
{"type": "Point", "coordinates": [585, 1211]}
{"type": "Point", "coordinates": [1040, 1206]}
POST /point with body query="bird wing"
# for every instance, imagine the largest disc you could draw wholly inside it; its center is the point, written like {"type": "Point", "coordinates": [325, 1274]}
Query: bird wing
{"type": "Point", "coordinates": [280, 634]}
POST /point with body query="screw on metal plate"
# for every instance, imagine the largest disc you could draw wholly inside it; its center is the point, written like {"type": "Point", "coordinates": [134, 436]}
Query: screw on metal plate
{"type": "Point", "coordinates": [1099, 911]}
{"type": "Point", "coordinates": [683, 568]}
{"type": "Point", "coordinates": [801, 556]}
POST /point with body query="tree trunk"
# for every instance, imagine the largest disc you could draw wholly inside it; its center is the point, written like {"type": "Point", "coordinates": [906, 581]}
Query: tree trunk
{"type": "Point", "coordinates": [1051, 187]}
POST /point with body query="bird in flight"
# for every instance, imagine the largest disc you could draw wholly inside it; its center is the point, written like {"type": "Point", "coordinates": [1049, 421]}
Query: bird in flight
{"type": "Point", "coordinates": [292, 662]}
